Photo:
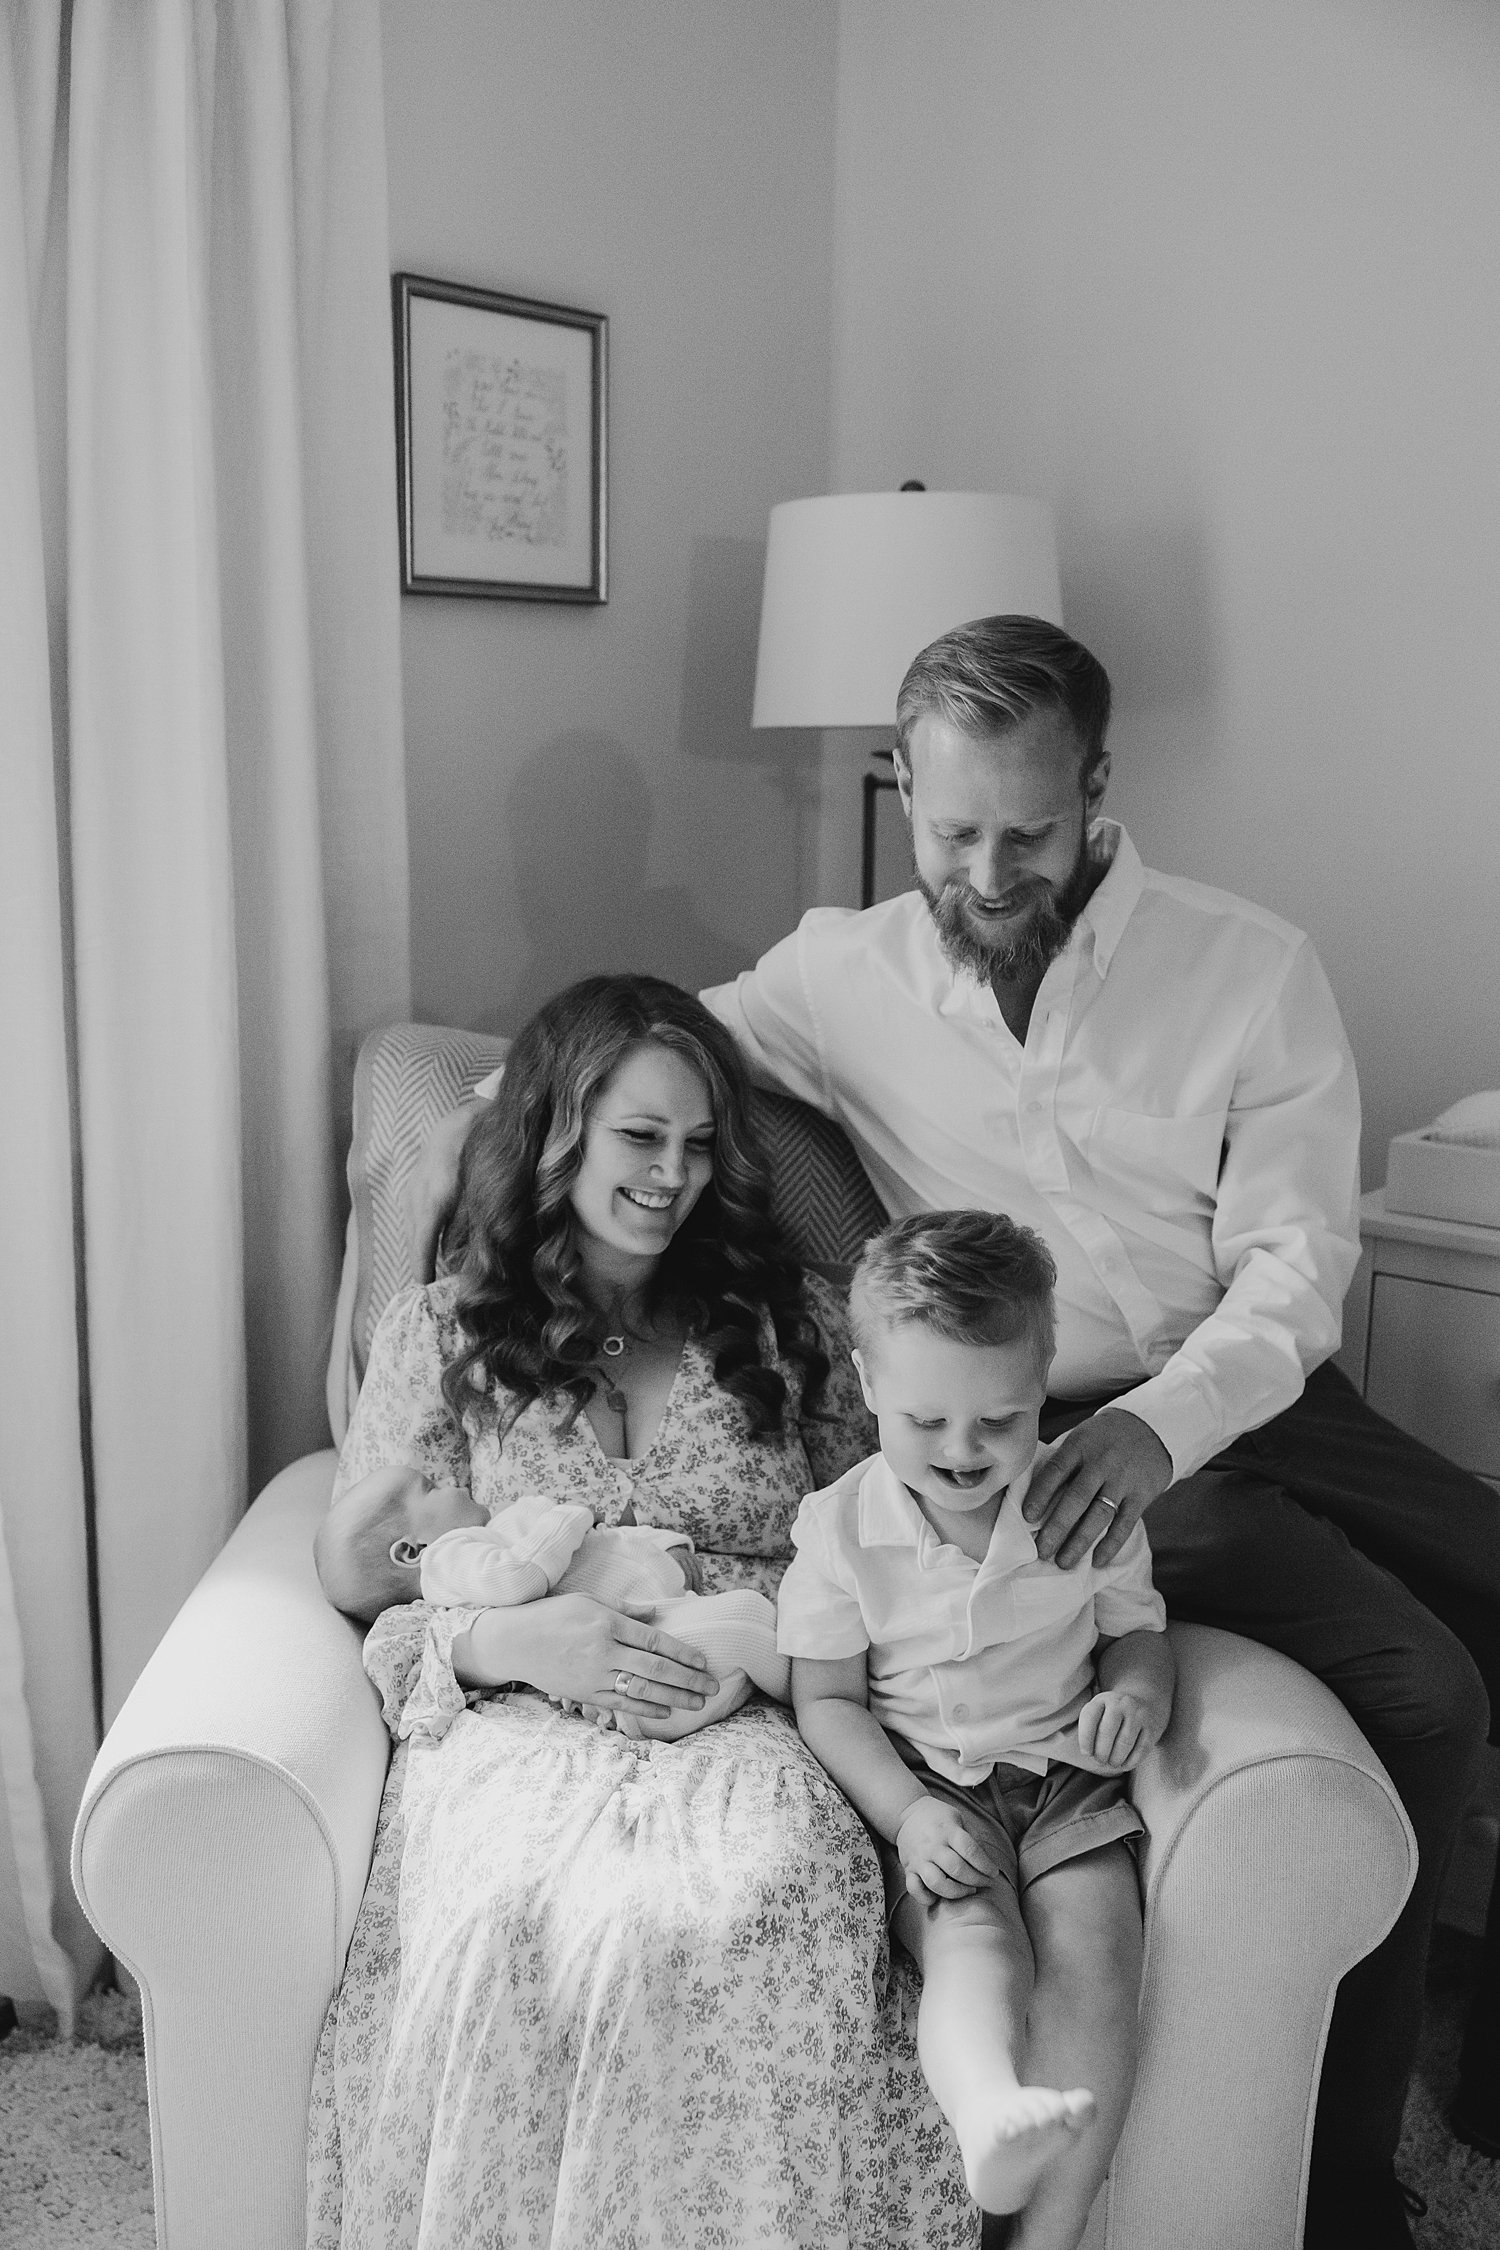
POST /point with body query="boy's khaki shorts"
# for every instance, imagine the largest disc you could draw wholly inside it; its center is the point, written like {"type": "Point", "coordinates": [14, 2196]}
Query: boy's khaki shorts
{"type": "Point", "coordinates": [1032, 1821]}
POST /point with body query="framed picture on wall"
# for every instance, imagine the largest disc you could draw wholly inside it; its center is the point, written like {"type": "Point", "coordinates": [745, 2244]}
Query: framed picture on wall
{"type": "Point", "coordinates": [500, 444]}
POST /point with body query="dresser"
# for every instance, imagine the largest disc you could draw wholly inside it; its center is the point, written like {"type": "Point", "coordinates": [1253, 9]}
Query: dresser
{"type": "Point", "coordinates": [1422, 1331]}
{"type": "Point", "coordinates": [1422, 1343]}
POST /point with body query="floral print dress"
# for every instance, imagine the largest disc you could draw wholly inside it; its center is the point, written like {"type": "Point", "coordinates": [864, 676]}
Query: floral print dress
{"type": "Point", "coordinates": [603, 1994]}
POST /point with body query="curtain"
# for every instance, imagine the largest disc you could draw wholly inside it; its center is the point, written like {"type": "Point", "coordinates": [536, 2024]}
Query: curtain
{"type": "Point", "coordinates": [203, 880]}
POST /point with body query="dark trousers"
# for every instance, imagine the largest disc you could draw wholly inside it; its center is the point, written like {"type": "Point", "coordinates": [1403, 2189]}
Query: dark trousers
{"type": "Point", "coordinates": [1332, 1536]}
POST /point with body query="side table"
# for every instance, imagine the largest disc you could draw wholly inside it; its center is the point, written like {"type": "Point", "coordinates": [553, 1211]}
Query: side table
{"type": "Point", "coordinates": [1422, 1345]}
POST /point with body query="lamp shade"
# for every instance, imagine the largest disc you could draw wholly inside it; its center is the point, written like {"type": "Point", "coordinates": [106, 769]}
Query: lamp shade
{"type": "Point", "coordinates": [858, 583]}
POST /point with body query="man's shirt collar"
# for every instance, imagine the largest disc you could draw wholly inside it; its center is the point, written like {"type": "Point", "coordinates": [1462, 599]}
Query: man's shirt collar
{"type": "Point", "coordinates": [1116, 898]}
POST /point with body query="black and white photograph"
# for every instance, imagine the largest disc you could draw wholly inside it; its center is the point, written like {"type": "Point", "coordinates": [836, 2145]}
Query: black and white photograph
{"type": "Point", "coordinates": [750, 1141]}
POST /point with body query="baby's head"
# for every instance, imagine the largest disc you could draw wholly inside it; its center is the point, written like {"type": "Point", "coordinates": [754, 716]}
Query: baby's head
{"type": "Point", "coordinates": [951, 1314]}
{"type": "Point", "coordinates": [368, 1547]}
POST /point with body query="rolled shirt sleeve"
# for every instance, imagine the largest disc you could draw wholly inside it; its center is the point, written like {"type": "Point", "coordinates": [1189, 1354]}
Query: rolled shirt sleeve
{"type": "Point", "coordinates": [770, 1013]}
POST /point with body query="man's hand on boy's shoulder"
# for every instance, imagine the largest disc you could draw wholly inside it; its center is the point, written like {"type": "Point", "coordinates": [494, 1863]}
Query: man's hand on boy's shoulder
{"type": "Point", "coordinates": [942, 1855]}
{"type": "Point", "coordinates": [1089, 1494]}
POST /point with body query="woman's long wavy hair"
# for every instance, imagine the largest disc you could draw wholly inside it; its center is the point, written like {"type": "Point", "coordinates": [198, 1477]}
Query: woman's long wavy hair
{"type": "Point", "coordinates": [525, 1321]}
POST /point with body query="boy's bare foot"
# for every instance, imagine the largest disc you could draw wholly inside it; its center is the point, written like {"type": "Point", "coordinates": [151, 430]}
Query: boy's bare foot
{"type": "Point", "coordinates": [1007, 2147]}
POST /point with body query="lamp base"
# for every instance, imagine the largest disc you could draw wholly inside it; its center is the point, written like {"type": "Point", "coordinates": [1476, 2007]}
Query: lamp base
{"type": "Point", "coordinates": [873, 783]}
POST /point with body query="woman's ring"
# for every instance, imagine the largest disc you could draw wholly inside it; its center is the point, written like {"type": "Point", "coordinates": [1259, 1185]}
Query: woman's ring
{"type": "Point", "coordinates": [622, 1683]}
{"type": "Point", "coordinates": [1110, 1504]}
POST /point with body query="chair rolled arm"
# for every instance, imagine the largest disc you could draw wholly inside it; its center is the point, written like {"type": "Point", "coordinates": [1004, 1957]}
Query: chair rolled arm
{"type": "Point", "coordinates": [1279, 1854]}
{"type": "Point", "coordinates": [221, 1852]}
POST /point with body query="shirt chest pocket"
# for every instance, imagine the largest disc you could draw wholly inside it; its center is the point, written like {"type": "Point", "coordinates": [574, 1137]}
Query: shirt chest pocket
{"type": "Point", "coordinates": [1168, 1165]}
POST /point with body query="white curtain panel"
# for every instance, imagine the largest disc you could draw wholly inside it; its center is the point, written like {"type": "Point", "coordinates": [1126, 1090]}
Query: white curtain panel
{"type": "Point", "coordinates": [213, 488]}
{"type": "Point", "coordinates": [46, 1703]}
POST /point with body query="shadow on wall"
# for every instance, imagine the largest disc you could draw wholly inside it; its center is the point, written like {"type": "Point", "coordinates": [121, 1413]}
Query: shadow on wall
{"type": "Point", "coordinates": [579, 820]}
{"type": "Point", "coordinates": [725, 578]}
{"type": "Point", "coordinates": [723, 627]}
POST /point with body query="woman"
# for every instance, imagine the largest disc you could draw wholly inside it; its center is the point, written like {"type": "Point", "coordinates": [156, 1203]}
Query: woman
{"type": "Point", "coordinates": [609, 1992]}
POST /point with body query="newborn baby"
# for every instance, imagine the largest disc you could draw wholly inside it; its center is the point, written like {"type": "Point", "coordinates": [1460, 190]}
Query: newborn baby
{"type": "Point", "coordinates": [393, 1538]}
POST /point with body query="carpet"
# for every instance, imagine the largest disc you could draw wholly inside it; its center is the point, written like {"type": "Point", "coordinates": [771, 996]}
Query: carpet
{"type": "Point", "coordinates": [75, 2145]}
{"type": "Point", "coordinates": [75, 2150]}
{"type": "Point", "coordinates": [1462, 2188]}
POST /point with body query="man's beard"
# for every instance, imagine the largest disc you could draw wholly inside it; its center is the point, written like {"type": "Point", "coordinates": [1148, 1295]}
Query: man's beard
{"type": "Point", "coordinates": [1048, 913]}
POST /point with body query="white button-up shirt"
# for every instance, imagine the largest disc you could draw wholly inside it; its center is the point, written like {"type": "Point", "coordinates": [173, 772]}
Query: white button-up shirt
{"type": "Point", "coordinates": [1181, 1126]}
{"type": "Point", "coordinates": [973, 1662]}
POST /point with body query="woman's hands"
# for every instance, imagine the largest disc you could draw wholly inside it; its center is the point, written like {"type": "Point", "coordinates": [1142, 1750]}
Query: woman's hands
{"type": "Point", "coordinates": [581, 1651]}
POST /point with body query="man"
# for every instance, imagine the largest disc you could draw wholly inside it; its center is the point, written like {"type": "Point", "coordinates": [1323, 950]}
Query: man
{"type": "Point", "coordinates": [1153, 1075]}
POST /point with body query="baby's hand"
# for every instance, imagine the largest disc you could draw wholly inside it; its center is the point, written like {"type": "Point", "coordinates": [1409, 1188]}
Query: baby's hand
{"type": "Point", "coordinates": [603, 1720]}
{"type": "Point", "coordinates": [942, 1855]}
{"type": "Point", "coordinates": [1118, 1727]}
{"type": "Point", "coordinates": [692, 1570]}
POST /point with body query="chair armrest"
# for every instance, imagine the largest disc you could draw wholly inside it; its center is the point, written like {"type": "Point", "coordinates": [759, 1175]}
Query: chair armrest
{"type": "Point", "coordinates": [1279, 1854]}
{"type": "Point", "coordinates": [221, 1852]}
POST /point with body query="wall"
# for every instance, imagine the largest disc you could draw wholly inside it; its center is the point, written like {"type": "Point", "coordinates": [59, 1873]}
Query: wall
{"type": "Point", "coordinates": [1221, 283]}
{"type": "Point", "coordinates": [584, 787]}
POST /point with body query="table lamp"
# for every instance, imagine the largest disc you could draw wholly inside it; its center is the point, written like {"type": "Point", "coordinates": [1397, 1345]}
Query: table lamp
{"type": "Point", "coordinates": [858, 582]}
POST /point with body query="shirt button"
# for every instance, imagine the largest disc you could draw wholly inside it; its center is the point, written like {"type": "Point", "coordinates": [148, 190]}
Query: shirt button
{"type": "Point", "coordinates": [960, 1711]}
{"type": "Point", "coordinates": [1034, 1109]}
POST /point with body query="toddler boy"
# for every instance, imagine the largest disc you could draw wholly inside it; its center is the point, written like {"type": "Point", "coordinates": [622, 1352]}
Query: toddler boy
{"type": "Point", "coordinates": [981, 1709]}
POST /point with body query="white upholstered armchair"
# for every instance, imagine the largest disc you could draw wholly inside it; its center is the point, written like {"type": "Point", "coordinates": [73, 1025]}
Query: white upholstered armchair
{"type": "Point", "coordinates": [226, 1831]}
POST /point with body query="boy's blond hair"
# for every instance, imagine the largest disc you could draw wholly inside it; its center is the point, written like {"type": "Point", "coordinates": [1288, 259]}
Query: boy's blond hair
{"type": "Point", "coordinates": [975, 1277]}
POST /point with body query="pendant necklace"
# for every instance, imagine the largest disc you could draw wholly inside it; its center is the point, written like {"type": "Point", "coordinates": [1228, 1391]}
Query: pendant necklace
{"type": "Point", "coordinates": [614, 1347]}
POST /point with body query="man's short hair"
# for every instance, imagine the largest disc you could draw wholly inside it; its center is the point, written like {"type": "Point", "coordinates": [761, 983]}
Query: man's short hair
{"type": "Point", "coordinates": [976, 1277]}
{"type": "Point", "coordinates": [987, 677]}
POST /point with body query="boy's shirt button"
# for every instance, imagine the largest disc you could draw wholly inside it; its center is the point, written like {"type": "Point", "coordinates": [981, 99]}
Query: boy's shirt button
{"type": "Point", "coordinates": [960, 1711]}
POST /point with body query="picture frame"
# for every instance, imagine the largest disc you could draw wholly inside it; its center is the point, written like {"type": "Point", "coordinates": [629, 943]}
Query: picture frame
{"type": "Point", "coordinates": [501, 436]}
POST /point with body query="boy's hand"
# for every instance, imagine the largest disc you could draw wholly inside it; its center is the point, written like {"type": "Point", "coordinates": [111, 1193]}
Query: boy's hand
{"type": "Point", "coordinates": [1118, 1726]}
{"type": "Point", "coordinates": [942, 1855]}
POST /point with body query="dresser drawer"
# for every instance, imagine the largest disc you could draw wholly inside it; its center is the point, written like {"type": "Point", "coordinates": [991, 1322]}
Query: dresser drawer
{"type": "Point", "coordinates": [1434, 1366]}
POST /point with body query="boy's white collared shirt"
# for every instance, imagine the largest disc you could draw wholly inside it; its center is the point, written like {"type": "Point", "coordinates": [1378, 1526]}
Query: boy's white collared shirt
{"type": "Point", "coordinates": [972, 1662]}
